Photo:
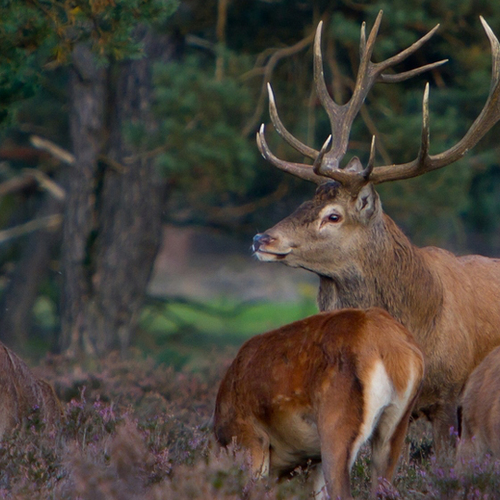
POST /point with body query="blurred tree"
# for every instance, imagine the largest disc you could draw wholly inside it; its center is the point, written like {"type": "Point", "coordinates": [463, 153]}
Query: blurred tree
{"type": "Point", "coordinates": [75, 70]}
{"type": "Point", "coordinates": [113, 211]}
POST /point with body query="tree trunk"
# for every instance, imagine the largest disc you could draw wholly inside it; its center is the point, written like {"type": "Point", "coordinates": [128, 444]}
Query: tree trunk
{"type": "Point", "coordinates": [22, 289]}
{"type": "Point", "coordinates": [87, 97]}
{"type": "Point", "coordinates": [129, 229]}
{"type": "Point", "coordinates": [113, 236]}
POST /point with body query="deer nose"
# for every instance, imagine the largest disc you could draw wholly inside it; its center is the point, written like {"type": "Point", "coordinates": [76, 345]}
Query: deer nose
{"type": "Point", "coordinates": [261, 239]}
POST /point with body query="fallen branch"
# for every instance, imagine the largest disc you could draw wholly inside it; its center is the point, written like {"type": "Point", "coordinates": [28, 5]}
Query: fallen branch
{"type": "Point", "coordinates": [268, 69]}
{"type": "Point", "coordinates": [49, 222]}
{"type": "Point", "coordinates": [55, 150]}
{"type": "Point", "coordinates": [30, 178]}
{"type": "Point", "coordinates": [16, 184]}
{"type": "Point", "coordinates": [45, 182]}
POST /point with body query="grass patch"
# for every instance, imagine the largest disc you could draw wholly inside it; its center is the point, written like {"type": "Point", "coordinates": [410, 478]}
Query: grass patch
{"type": "Point", "coordinates": [222, 317]}
{"type": "Point", "coordinates": [180, 332]}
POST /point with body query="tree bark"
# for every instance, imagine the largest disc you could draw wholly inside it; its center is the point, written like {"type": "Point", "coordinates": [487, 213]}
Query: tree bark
{"type": "Point", "coordinates": [113, 230]}
{"type": "Point", "coordinates": [87, 97]}
{"type": "Point", "coordinates": [129, 228]}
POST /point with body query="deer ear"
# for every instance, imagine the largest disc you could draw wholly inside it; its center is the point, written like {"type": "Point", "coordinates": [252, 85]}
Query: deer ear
{"type": "Point", "coordinates": [354, 165]}
{"type": "Point", "coordinates": [367, 202]}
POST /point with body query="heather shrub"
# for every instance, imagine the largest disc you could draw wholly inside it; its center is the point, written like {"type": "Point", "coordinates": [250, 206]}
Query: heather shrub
{"type": "Point", "coordinates": [134, 429]}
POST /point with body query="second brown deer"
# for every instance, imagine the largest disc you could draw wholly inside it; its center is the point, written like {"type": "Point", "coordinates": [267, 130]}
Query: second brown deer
{"type": "Point", "coordinates": [480, 412]}
{"type": "Point", "coordinates": [363, 259]}
{"type": "Point", "coordinates": [316, 390]}
{"type": "Point", "coordinates": [22, 392]}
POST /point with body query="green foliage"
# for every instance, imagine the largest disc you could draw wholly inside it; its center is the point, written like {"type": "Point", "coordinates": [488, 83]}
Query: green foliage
{"type": "Point", "coordinates": [180, 334]}
{"type": "Point", "coordinates": [37, 36]}
{"type": "Point", "coordinates": [200, 128]}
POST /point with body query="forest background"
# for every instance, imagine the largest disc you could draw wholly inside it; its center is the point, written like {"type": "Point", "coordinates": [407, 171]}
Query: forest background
{"type": "Point", "coordinates": [122, 117]}
{"type": "Point", "coordinates": [126, 125]}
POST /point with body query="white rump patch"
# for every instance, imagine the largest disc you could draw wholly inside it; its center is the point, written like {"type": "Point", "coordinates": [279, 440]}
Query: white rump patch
{"type": "Point", "coordinates": [377, 395]}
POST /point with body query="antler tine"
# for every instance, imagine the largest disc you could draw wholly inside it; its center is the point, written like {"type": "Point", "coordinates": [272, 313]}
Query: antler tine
{"type": "Point", "coordinates": [371, 160]}
{"type": "Point", "coordinates": [362, 40]}
{"type": "Point", "coordinates": [404, 54]}
{"type": "Point", "coordinates": [369, 45]}
{"type": "Point", "coordinates": [490, 114]}
{"type": "Point", "coordinates": [328, 103]}
{"type": "Point", "coordinates": [341, 117]}
{"type": "Point", "coordinates": [318, 160]}
{"type": "Point", "coordinates": [495, 53]}
{"type": "Point", "coordinates": [406, 75]}
{"type": "Point", "coordinates": [283, 132]}
{"type": "Point", "coordinates": [298, 169]}
{"type": "Point", "coordinates": [423, 153]}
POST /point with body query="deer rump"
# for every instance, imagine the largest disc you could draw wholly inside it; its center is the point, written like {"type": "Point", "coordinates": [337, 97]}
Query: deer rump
{"type": "Point", "coordinates": [316, 390]}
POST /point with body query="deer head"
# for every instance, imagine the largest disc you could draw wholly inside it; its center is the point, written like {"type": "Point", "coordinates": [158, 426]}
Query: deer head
{"type": "Point", "coordinates": [345, 214]}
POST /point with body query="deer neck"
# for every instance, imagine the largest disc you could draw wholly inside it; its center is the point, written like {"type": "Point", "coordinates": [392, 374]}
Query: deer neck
{"type": "Point", "coordinates": [392, 275]}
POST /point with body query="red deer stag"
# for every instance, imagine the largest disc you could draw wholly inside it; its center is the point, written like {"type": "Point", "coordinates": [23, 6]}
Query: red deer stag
{"type": "Point", "coordinates": [363, 259]}
{"type": "Point", "coordinates": [480, 405]}
{"type": "Point", "coordinates": [317, 389]}
{"type": "Point", "coordinates": [21, 392]}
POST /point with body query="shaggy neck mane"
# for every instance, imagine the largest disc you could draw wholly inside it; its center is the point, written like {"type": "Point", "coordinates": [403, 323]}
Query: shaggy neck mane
{"type": "Point", "coordinates": [391, 274]}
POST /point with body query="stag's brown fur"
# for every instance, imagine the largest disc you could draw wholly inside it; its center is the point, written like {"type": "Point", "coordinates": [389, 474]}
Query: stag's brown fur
{"type": "Point", "coordinates": [449, 303]}
{"type": "Point", "coordinates": [317, 389]}
{"type": "Point", "coordinates": [480, 405]}
{"type": "Point", "coordinates": [21, 392]}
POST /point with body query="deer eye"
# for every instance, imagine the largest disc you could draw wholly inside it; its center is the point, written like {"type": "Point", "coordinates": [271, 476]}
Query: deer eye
{"type": "Point", "coordinates": [334, 217]}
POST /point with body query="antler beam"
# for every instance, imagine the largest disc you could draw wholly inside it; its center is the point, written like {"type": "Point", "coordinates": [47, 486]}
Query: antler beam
{"type": "Point", "coordinates": [327, 161]}
{"type": "Point", "coordinates": [489, 115]}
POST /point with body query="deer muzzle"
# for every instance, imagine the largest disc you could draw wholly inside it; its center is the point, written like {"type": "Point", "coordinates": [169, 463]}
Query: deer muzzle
{"type": "Point", "coordinates": [265, 248]}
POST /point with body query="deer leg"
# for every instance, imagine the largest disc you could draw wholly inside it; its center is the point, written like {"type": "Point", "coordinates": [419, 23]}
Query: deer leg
{"type": "Point", "coordinates": [259, 457]}
{"type": "Point", "coordinates": [335, 466]}
{"type": "Point", "coordinates": [444, 421]}
{"type": "Point", "coordinates": [387, 443]}
{"type": "Point", "coordinates": [470, 447]}
{"type": "Point", "coordinates": [319, 484]}
{"type": "Point", "coordinates": [337, 436]}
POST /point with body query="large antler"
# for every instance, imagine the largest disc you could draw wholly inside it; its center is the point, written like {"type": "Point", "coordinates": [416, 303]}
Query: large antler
{"type": "Point", "coordinates": [327, 161]}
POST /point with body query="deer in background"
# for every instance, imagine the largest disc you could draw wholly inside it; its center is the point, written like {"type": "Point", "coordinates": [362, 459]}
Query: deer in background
{"type": "Point", "coordinates": [450, 304]}
{"type": "Point", "coordinates": [21, 392]}
{"type": "Point", "coordinates": [319, 388]}
{"type": "Point", "coordinates": [480, 412]}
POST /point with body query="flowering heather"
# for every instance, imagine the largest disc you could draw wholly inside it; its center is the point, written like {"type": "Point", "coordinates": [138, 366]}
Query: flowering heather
{"type": "Point", "coordinates": [136, 430]}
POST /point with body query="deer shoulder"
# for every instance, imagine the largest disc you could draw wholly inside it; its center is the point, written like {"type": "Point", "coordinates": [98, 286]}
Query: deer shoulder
{"type": "Point", "coordinates": [22, 392]}
{"type": "Point", "coordinates": [316, 390]}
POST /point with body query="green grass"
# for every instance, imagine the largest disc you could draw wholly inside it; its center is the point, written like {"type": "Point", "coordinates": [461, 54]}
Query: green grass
{"type": "Point", "coordinates": [223, 317]}
{"type": "Point", "coordinates": [181, 333]}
